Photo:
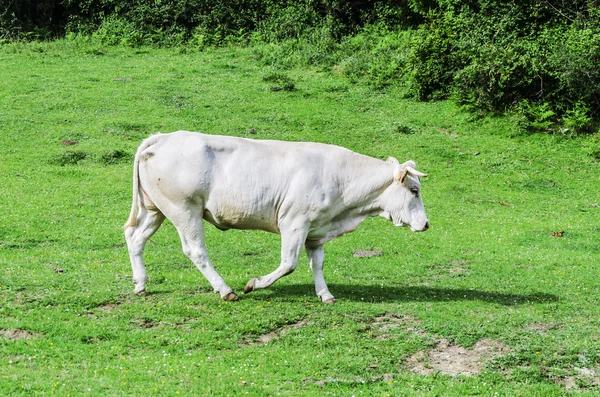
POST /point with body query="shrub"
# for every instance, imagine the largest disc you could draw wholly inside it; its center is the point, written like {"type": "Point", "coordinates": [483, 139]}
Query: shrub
{"type": "Point", "coordinates": [536, 57]}
{"type": "Point", "coordinates": [576, 119]}
{"type": "Point", "coordinates": [377, 54]}
{"type": "Point", "coordinates": [434, 59]}
{"type": "Point", "coordinates": [497, 56]}
{"type": "Point", "coordinates": [536, 116]}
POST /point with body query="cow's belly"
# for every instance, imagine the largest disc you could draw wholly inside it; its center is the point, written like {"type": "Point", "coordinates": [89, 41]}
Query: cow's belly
{"type": "Point", "coordinates": [225, 218]}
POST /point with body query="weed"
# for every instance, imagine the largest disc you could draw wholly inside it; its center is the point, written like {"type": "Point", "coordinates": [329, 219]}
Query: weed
{"type": "Point", "coordinates": [284, 82]}
{"type": "Point", "coordinates": [404, 129]}
{"type": "Point", "coordinates": [68, 158]}
{"type": "Point", "coordinates": [115, 157]}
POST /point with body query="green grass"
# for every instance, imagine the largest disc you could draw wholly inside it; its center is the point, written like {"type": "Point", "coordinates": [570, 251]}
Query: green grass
{"type": "Point", "coordinates": [489, 267]}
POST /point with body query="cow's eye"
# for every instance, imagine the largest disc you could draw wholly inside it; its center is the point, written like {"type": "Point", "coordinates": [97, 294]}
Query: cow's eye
{"type": "Point", "coordinates": [415, 191]}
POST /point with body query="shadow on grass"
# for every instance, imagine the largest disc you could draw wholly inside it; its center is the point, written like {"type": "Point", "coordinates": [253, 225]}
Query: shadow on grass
{"type": "Point", "coordinates": [377, 293]}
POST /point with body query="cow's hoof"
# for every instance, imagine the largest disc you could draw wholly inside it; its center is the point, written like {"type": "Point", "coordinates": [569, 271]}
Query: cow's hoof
{"type": "Point", "coordinates": [250, 286]}
{"type": "Point", "coordinates": [232, 296]}
{"type": "Point", "coordinates": [140, 292]}
{"type": "Point", "coordinates": [329, 301]}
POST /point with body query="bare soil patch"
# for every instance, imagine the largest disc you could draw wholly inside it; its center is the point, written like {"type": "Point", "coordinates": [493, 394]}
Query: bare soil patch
{"type": "Point", "coordinates": [17, 334]}
{"type": "Point", "coordinates": [589, 377]}
{"type": "Point", "coordinates": [358, 380]}
{"type": "Point", "coordinates": [388, 322]}
{"type": "Point", "coordinates": [107, 307]}
{"type": "Point", "coordinates": [542, 328]}
{"type": "Point", "coordinates": [273, 335]}
{"type": "Point", "coordinates": [145, 323]}
{"type": "Point", "coordinates": [450, 359]}
{"type": "Point", "coordinates": [455, 267]}
{"type": "Point", "coordinates": [366, 253]}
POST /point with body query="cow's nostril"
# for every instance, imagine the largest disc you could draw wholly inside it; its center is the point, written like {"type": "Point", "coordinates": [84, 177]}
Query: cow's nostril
{"type": "Point", "coordinates": [426, 226]}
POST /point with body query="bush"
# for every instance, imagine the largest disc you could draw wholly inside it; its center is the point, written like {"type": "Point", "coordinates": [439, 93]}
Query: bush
{"type": "Point", "coordinates": [376, 54]}
{"type": "Point", "coordinates": [535, 57]}
{"type": "Point", "coordinates": [434, 58]}
{"type": "Point", "coordinates": [529, 56]}
{"type": "Point", "coordinates": [574, 62]}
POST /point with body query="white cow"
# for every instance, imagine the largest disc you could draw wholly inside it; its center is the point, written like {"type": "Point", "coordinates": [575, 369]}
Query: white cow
{"type": "Point", "coordinates": [309, 193]}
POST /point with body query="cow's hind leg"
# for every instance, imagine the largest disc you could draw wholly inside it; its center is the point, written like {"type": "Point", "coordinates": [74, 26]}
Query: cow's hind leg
{"type": "Point", "coordinates": [316, 255]}
{"type": "Point", "coordinates": [148, 221]}
{"type": "Point", "coordinates": [292, 240]}
{"type": "Point", "coordinates": [191, 232]}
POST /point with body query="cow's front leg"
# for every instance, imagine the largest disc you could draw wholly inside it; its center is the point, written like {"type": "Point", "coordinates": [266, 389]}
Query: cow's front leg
{"type": "Point", "coordinates": [292, 240]}
{"type": "Point", "coordinates": [316, 255]}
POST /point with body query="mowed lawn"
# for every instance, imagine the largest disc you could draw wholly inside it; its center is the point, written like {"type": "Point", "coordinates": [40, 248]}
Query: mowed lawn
{"type": "Point", "coordinates": [499, 298]}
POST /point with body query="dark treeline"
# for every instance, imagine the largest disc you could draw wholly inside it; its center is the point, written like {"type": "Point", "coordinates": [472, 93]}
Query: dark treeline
{"type": "Point", "coordinates": [52, 18]}
{"type": "Point", "coordinates": [537, 57]}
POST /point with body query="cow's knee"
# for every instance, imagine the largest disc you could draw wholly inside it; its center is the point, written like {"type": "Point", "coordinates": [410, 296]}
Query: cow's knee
{"type": "Point", "coordinates": [288, 269]}
{"type": "Point", "coordinates": [265, 281]}
{"type": "Point", "coordinates": [129, 231]}
{"type": "Point", "coordinates": [187, 250]}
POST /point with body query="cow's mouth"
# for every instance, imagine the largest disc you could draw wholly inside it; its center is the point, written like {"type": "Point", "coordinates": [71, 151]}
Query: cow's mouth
{"type": "Point", "coordinates": [424, 228]}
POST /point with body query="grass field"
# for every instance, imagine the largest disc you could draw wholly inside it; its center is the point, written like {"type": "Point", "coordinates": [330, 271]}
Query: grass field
{"type": "Point", "coordinates": [505, 283]}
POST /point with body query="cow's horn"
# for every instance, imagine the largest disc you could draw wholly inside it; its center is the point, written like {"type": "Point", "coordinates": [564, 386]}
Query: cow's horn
{"type": "Point", "coordinates": [414, 172]}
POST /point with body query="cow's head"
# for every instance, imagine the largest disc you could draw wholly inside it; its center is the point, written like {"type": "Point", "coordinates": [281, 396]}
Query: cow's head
{"type": "Point", "coordinates": [401, 202]}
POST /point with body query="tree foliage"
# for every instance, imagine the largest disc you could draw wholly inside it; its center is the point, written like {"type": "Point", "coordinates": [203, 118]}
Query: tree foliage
{"type": "Point", "coordinates": [539, 57]}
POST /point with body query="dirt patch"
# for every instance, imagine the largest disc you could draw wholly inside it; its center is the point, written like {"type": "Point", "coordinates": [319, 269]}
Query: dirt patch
{"type": "Point", "coordinates": [458, 270]}
{"type": "Point", "coordinates": [586, 377]}
{"type": "Point", "coordinates": [145, 323]}
{"type": "Point", "coordinates": [366, 253]}
{"type": "Point", "coordinates": [449, 359]}
{"type": "Point", "coordinates": [542, 328]}
{"type": "Point", "coordinates": [322, 382]}
{"type": "Point", "coordinates": [273, 335]}
{"type": "Point", "coordinates": [454, 268]}
{"type": "Point", "coordinates": [107, 307]}
{"type": "Point", "coordinates": [388, 322]}
{"type": "Point", "coordinates": [17, 334]}
{"type": "Point", "coordinates": [339, 381]}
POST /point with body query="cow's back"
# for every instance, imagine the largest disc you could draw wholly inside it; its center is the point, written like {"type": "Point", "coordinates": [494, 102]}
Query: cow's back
{"type": "Point", "coordinates": [237, 182]}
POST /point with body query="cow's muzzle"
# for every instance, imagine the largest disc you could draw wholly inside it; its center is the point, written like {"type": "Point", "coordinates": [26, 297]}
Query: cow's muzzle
{"type": "Point", "coordinates": [424, 228]}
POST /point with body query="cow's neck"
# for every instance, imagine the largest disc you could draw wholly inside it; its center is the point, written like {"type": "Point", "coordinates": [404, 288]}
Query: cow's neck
{"type": "Point", "coordinates": [364, 180]}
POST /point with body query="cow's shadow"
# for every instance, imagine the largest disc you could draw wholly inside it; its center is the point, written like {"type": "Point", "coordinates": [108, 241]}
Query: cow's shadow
{"type": "Point", "coordinates": [404, 293]}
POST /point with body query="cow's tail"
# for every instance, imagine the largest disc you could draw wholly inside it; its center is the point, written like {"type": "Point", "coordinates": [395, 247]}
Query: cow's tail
{"type": "Point", "coordinates": [138, 201]}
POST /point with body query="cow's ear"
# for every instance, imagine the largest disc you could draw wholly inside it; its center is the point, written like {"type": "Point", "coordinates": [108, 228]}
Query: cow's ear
{"type": "Point", "coordinates": [392, 160]}
{"type": "Point", "coordinates": [400, 173]}
{"type": "Point", "coordinates": [402, 170]}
